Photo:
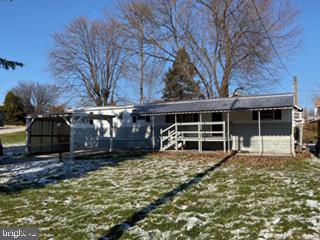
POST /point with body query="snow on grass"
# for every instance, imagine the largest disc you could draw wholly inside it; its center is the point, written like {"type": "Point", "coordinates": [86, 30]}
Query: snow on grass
{"type": "Point", "coordinates": [232, 202]}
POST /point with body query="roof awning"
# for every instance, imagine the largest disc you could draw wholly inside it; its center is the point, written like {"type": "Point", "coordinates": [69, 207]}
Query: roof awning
{"type": "Point", "coordinates": [279, 101]}
{"type": "Point", "coordinates": [69, 115]}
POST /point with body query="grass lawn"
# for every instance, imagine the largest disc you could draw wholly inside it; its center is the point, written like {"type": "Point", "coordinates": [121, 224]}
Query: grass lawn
{"type": "Point", "coordinates": [13, 138]}
{"type": "Point", "coordinates": [238, 200]}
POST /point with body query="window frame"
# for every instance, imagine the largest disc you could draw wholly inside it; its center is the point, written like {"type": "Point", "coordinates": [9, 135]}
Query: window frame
{"type": "Point", "coordinates": [276, 115]}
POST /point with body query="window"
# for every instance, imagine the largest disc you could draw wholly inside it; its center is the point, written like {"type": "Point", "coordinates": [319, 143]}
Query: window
{"type": "Point", "coordinates": [195, 117]}
{"type": "Point", "coordinates": [91, 121]}
{"type": "Point", "coordinates": [121, 116]}
{"type": "Point", "coordinates": [170, 119]}
{"type": "Point", "coordinates": [277, 114]}
{"type": "Point", "coordinates": [217, 117]}
{"type": "Point", "coordinates": [267, 115]}
{"type": "Point", "coordinates": [136, 118]}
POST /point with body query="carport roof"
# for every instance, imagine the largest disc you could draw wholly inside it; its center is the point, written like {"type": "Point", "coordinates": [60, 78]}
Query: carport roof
{"type": "Point", "coordinates": [275, 101]}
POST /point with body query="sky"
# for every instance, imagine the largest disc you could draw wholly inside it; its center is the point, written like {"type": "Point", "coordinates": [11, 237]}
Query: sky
{"type": "Point", "coordinates": [26, 28]}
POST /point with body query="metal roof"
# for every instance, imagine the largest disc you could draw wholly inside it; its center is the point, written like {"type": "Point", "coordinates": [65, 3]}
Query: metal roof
{"type": "Point", "coordinates": [275, 101]}
{"type": "Point", "coordinates": [74, 114]}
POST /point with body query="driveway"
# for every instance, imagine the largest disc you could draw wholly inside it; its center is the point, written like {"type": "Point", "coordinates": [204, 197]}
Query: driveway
{"type": "Point", "coordinates": [11, 129]}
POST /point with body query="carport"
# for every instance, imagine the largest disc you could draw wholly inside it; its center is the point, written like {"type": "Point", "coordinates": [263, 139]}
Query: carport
{"type": "Point", "coordinates": [54, 133]}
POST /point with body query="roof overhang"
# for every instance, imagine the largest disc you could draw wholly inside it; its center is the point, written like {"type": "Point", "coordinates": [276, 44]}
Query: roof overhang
{"type": "Point", "coordinates": [211, 111]}
{"type": "Point", "coordinates": [69, 115]}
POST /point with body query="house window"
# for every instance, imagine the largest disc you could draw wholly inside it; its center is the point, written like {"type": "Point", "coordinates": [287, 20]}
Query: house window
{"type": "Point", "coordinates": [148, 119]}
{"type": "Point", "coordinates": [121, 116]}
{"type": "Point", "coordinates": [277, 114]}
{"type": "Point", "coordinates": [141, 117]}
{"type": "Point", "coordinates": [217, 117]}
{"type": "Point", "coordinates": [267, 115]}
{"type": "Point", "coordinates": [195, 117]}
{"type": "Point", "coordinates": [134, 118]}
{"type": "Point", "coordinates": [170, 119]}
{"type": "Point", "coordinates": [91, 121]}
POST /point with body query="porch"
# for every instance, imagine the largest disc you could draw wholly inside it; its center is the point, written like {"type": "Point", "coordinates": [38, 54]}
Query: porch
{"type": "Point", "coordinates": [178, 135]}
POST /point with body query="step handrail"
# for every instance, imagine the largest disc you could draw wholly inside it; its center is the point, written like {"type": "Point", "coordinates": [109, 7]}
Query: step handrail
{"type": "Point", "coordinates": [166, 129]}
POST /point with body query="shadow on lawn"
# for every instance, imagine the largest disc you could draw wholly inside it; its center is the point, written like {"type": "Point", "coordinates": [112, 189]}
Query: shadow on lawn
{"type": "Point", "coordinates": [117, 231]}
{"type": "Point", "coordinates": [21, 173]}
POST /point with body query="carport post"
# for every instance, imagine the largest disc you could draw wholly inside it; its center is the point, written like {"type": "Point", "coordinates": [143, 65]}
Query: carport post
{"type": "Point", "coordinates": [293, 152]}
{"type": "Point", "coordinates": [111, 134]}
{"type": "Point", "coordinates": [176, 131]}
{"type": "Point", "coordinates": [30, 121]}
{"type": "Point", "coordinates": [228, 131]}
{"type": "Point", "coordinates": [199, 133]}
{"type": "Point", "coordinates": [71, 148]}
{"type": "Point", "coordinates": [153, 139]}
{"type": "Point", "coordinates": [259, 127]}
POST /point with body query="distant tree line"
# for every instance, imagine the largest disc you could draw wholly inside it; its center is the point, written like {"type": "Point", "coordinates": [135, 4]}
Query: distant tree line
{"type": "Point", "coordinates": [31, 98]}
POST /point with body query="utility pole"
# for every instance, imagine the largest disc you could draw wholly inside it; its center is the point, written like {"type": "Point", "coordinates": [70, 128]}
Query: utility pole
{"type": "Point", "coordinates": [295, 90]}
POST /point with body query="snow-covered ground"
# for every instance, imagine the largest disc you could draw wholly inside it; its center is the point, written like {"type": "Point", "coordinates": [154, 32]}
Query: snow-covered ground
{"type": "Point", "coordinates": [14, 149]}
{"type": "Point", "coordinates": [84, 199]}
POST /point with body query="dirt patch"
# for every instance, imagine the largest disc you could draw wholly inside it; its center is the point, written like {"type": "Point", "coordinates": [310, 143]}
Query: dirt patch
{"type": "Point", "coordinates": [178, 156]}
{"type": "Point", "coordinates": [266, 161]}
{"type": "Point", "coordinates": [189, 156]}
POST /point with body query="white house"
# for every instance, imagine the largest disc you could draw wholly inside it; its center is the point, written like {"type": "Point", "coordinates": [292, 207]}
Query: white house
{"type": "Point", "coordinates": [251, 124]}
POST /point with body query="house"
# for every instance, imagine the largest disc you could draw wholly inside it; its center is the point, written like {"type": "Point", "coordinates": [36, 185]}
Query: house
{"type": "Point", "coordinates": [251, 124]}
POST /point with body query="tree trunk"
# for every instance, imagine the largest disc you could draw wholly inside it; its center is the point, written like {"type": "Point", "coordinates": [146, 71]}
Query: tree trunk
{"type": "Point", "coordinates": [142, 67]}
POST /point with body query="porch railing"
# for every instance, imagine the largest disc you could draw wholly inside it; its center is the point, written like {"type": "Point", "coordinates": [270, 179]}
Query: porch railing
{"type": "Point", "coordinates": [177, 134]}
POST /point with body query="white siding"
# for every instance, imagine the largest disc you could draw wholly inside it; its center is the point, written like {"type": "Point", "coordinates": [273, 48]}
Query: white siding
{"type": "Point", "coordinates": [275, 134]}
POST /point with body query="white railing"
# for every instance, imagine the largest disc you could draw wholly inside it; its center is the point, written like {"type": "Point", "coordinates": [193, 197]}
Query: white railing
{"type": "Point", "coordinates": [174, 135]}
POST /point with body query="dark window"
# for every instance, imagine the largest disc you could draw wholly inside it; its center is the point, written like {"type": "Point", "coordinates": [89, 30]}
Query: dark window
{"type": "Point", "coordinates": [141, 117]}
{"type": "Point", "coordinates": [217, 117]}
{"type": "Point", "coordinates": [277, 114]}
{"type": "Point", "coordinates": [91, 121]}
{"type": "Point", "coordinates": [134, 118]}
{"type": "Point", "coordinates": [170, 119]}
{"type": "Point", "coordinates": [196, 117]}
{"type": "Point", "coordinates": [121, 116]}
{"type": "Point", "coordinates": [255, 115]}
{"type": "Point", "coordinates": [148, 118]}
{"type": "Point", "coordinates": [267, 115]}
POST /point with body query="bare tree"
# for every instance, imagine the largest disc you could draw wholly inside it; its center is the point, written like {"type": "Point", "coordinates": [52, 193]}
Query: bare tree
{"type": "Point", "coordinates": [136, 19]}
{"type": "Point", "coordinates": [90, 58]}
{"type": "Point", "coordinates": [229, 41]}
{"type": "Point", "coordinates": [238, 48]}
{"type": "Point", "coordinates": [37, 97]}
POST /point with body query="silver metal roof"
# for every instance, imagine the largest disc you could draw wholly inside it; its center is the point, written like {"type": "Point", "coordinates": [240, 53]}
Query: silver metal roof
{"type": "Point", "coordinates": [275, 101]}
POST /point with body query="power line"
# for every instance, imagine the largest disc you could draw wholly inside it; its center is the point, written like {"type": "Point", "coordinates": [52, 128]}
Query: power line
{"type": "Point", "coordinates": [249, 42]}
{"type": "Point", "coordinates": [268, 36]}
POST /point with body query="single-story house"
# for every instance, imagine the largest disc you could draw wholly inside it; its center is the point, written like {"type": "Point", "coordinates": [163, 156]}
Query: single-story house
{"type": "Point", "coordinates": [251, 124]}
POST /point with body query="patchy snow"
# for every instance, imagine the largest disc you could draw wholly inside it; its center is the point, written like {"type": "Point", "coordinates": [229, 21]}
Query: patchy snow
{"type": "Point", "coordinates": [14, 149]}
{"type": "Point", "coordinates": [313, 204]}
{"type": "Point", "coordinates": [88, 197]}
